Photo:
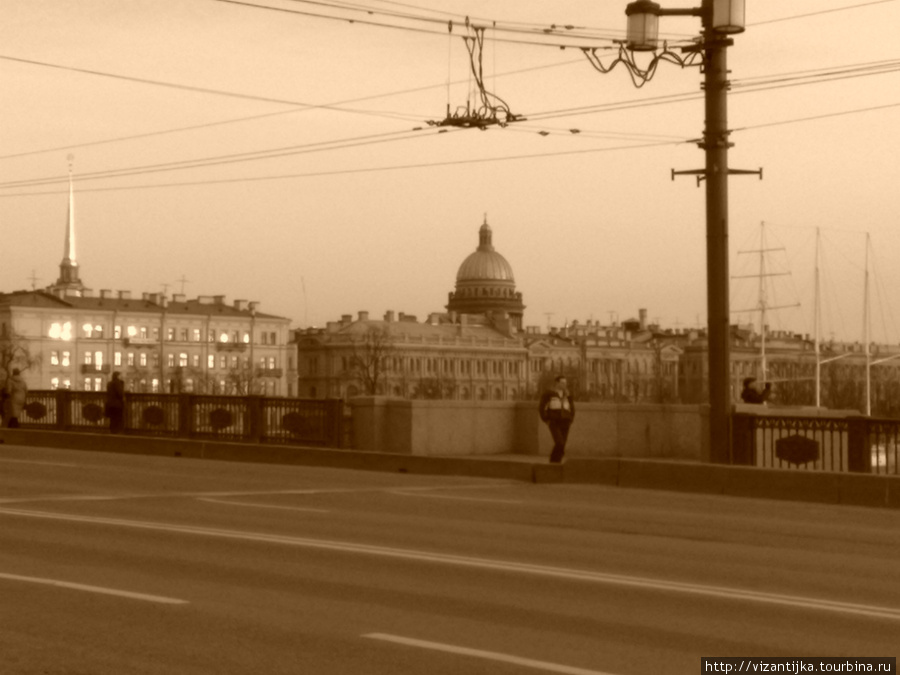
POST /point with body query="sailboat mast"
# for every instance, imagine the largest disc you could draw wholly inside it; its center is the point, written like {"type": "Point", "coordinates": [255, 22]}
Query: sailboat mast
{"type": "Point", "coordinates": [817, 320]}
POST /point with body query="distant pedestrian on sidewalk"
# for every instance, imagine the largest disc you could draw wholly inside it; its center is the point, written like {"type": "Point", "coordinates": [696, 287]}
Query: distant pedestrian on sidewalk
{"type": "Point", "coordinates": [557, 409]}
{"type": "Point", "coordinates": [115, 403]}
{"type": "Point", "coordinates": [14, 403]}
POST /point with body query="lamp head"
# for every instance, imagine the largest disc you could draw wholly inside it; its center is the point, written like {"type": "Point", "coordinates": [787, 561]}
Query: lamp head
{"type": "Point", "coordinates": [643, 25]}
{"type": "Point", "coordinates": [729, 16]}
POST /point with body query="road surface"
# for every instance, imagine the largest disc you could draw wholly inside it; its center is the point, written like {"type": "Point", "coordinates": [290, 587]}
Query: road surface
{"type": "Point", "coordinates": [121, 564]}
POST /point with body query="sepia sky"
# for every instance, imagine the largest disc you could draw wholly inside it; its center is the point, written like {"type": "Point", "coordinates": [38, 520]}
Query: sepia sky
{"type": "Point", "coordinates": [272, 155]}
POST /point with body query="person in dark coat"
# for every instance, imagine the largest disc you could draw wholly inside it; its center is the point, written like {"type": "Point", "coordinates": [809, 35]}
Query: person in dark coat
{"type": "Point", "coordinates": [751, 393]}
{"type": "Point", "coordinates": [557, 409]}
{"type": "Point", "coordinates": [115, 403]}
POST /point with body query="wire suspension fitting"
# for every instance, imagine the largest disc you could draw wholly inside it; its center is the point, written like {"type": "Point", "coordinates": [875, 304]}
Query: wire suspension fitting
{"type": "Point", "coordinates": [641, 75]}
{"type": "Point", "coordinates": [490, 109]}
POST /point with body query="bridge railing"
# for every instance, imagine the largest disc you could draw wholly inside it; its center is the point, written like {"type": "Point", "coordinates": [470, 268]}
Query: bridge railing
{"type": "Point", "coordinates": [817, 443]}
{"type": "Point", "coordinates": [251, 419]}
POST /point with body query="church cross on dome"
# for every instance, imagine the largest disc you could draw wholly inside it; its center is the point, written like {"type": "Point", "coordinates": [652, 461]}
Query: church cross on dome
{"type": "Point", "coordinates": [485, 236]}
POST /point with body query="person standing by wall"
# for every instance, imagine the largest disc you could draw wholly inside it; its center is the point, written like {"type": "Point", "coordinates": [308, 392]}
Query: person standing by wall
{"type": "Point", "coordinates": [115, 403]}
{"type": "Point", "coordinates": [557, 409]}
{"type": "Point", "coordinates": [16, 390]}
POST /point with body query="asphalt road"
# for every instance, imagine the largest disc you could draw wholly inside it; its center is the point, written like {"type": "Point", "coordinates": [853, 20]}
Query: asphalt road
{"type": "Point", "coordinates": [123, 564]}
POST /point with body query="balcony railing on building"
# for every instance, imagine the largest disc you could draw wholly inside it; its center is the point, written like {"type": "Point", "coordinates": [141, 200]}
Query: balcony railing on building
{"type": "Point", "coordinates": [249, 419]}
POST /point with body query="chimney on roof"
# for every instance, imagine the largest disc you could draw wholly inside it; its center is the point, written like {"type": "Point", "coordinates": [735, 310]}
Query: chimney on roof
{"type": "Point", "coordinates": [642, 315]}
{"type": "Point", "coordinates": [181, 297]}
{"type": "Point", "coordinates": [240, 305]}
{"type": "Point", "coordinates": [218, 299]}
{"type": "Point", "coordinates": [389, 316]}
{"type": "Point", "coordinates": [205, 299]}
{"type": "Point", "coordinates": [124, 295]}
{"type": "Point", "coordinates": [363, 316]}
{"type": "Point", "coordinates": [105, 294]}
{"type": "Point", "coordinates": [252, 305]}
{"type": "Point", "coordinates": [346, 318]}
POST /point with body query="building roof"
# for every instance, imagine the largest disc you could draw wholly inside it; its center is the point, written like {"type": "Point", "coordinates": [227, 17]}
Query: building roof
{"type": "Point", "coordinates": [150, 303]}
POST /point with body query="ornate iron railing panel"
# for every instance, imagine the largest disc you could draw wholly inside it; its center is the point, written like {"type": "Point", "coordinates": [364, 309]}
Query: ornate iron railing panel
{"type": "Point", "coordinates": [301, 421]}
{"type": "Point", "coordinates": [840, 444]}
{"type": "Point", "coordinates": [227, 418]}
{"type": "Point", "coordinates": [154, 414]}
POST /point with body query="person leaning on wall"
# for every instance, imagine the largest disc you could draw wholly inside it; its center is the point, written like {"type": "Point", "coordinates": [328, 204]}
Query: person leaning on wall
{"type": "Point", "coordinates": [557, 409]}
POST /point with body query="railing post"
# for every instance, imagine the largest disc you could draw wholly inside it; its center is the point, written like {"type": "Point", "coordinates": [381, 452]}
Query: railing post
{"type": "Point", "coordinates": [859, 452]}
{"type": "Point", "coordinates": [63, 409]}
{"type": "Point", "coordinates": [743, 439]}
{"type": "Point", "coordinates": [185, 415]}
{"type": "Point", "coordinates": [254, 413]}
{"type": "Point", "coordinates": [337, 427]}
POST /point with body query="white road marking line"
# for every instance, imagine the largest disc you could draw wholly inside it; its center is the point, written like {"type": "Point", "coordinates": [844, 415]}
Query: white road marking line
{"type": "Point", "coordinates": [262, 506]}
{"type": "Point", "coordinates": [721, 592]}
{"type": "Point", "coordinates": [96, 589]}
{"type": "Point", "coordinates": [405, 493]}
{"type": "Point", "coordinates": [34, 461]}
{"type": "Point", "coordinates": [482, 654]}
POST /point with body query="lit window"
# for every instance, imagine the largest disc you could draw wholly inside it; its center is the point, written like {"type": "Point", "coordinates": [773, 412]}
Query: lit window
{"type": "Point", "coordinates": [98, 358]}
{"type": "Point", "coordinates": [117, 358]}
{"type": "Point", "coordinates": [210, 335]}
{"type": "Point", "coordinates": [189, 384]}
{"type": "Point", "coordinates": [65, 361]}
{"type": "Point", "coordinates": [196, 337]}
{"type": "Point", "coordinates": [246, 338]}
{"type": "Point", "coordinates": [183, 360]}
{"type": "Point", "coordinates": [54, 360]}
{"type": "Point", "coordinates": [132, 331]}
{"type": "Point", "coordinates": [142, 359]}
{"type": "Point", "coordinates": [195, 360]}
{"type": "Point", "coordinates": [88, 360]}
{"type": "Point", "coordinates": [54, 383]}
{"type": "Point", "coordinates": [98, 331]}
{"type": "Point", "coordinates": [184, 334]}
{"type": "Point", "coordinates": [271, 363]}
{"type": "Point", "coordinates": [223, 337]}
{"type": "Point", "coordinates": [170, 360]}
{"type": "Point", "coordinates": [87, 384]}
{"type": "Point", "coordinates": [130, 358]}
{"type": "Point", "coordinates": [211, 361]}
{"type": "Point", "coordinates": [170, 334]}
{"type": "Point", "coordinates": [154, 385]}
{"type": "Point", "coordinates": [144, 332]}
{"type": "Point", "coordinates": [98, 384]}
{"type": "Point", "coordinates": [67, 384]}
{"type": "Point", "coordinates": [117, 332]}
{"type": "Point", "coordinates": [223, 361]}
{"type": "Point", "coordinates": [88, 332]}
{"type": "Point", "coordinates": [234, 362]}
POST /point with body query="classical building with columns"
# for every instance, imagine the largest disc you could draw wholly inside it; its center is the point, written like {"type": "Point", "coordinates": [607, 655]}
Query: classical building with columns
{"type": "Point", "coordinates": [68, 336]}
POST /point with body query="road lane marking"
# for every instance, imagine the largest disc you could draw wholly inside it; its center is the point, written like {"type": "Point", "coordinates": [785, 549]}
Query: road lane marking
{"type": "Point", "coordinates": [405, 493]}
{"type": "Point", "coordinates": [482, 654]}
{"type": "Point", "coordinates": [307, 509]}
{"type": "Point", "coordinates": [34, 461]}
{"type": "Point", "coordinates": [95, 589]}
{"type": "Point", "coordinates": [646, 583]}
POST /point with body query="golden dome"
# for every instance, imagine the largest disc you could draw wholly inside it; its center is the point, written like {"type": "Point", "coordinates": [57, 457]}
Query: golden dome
{"type": "Point", "coordinates": [485, 264]}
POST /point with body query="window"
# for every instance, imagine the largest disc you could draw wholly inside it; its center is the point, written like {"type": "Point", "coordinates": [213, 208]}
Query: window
{"type": "Point", "coordinates": [196, 335]}
{"type": "Point", "coordinates": [183, 360]}
{"type": "Point", "coordinates": [117, 332]}
{"type": "Point", "coordinates": [98, 384]}
{"type": "Point", "coordinates": [223, 361]}
{"type": "Point", "coordinates": [265, 338]}
{"type": "Point", "coordinates": [154, 385]}
{"type": "Point", "coordinates": [130, 358]}
{"type": "Point", "coordinates": [234, 362]}
{"type": "Point", "coordinates": [65, 359]}
{"type": "Point", "coordinates": [66, 384]}
{"type": "Point", "coordinates": [262, 362]}
{"type": "Point", "coordinates": [88, 360]}
{"type": "Point", "coordinates": [156, 359]}
{"type": "Point", "coordinates": [98, 359]}
{"type": "Point", "coordinates": [54, 383]}
{"type": "Point", "coordinates": [87, 384]}
{"type": "Point", "coordinates": [211, 361]}
{"type": "Point", "coordinates": [236, 336]}
{"type": "Point", "coordinates": [156, 333]}
{"type": "Point", "coordinates": [170, 361]}
{"type": "Point", "coordinates": [184, 334]}
{"type": "Point", "coordinates": [88, 333]}
{"type": "Point", "coordinates": [170, 334]}
{"type": "Point", "coordinates": [273, 338]}
{"type": "Point", "coordinates": [210, 335]}
{"type": "Point", "coordinates": [246, 338]}
{"type": "Point", "coordinates": [195, 360]}
{"type": "Point", "coordinates": [271, 363]}
{"type": "Point", "coordinates": [143, 359]}
{"type": "Point", "coordinates": [144, 332]}
{"type": "Point", "coordinates": [54, 359]}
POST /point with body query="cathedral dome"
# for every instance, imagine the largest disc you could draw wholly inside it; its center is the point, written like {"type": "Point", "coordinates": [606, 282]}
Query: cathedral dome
{"type": "Point", "coordinates": [485, 264]}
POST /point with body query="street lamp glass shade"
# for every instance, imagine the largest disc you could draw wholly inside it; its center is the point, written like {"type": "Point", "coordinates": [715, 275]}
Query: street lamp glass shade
{"type": "Point", "coordinates": [643, 26]}
{"type": "Point", "coordinates": [729, 16]}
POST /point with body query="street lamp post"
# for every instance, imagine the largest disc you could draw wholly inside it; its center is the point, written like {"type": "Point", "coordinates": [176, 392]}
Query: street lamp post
{"type": "Point", "coordinates": [720, 19]}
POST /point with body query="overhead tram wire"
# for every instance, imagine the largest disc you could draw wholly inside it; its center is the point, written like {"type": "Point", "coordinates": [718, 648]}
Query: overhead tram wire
{"type": "Point", "coordinates": [440, 27]}
{"type": "Point", "coordinates": [300, 108]}
{"type": "Point", "coordinates": [817, 13]}
{"type": "Point", "coordinates": [339, 172]}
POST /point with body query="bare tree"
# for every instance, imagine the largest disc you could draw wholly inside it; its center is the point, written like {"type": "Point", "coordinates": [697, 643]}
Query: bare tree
{"type": "Point", "coordinates": [370, 359]}
{"type": "Point", "coordinates": [14, 353]}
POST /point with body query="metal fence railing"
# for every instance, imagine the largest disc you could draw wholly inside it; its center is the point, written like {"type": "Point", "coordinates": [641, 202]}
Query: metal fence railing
{"type": "Point", "coordinates": [840, 444]}
{"type": "Point", "coordinates": [252, 419]}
